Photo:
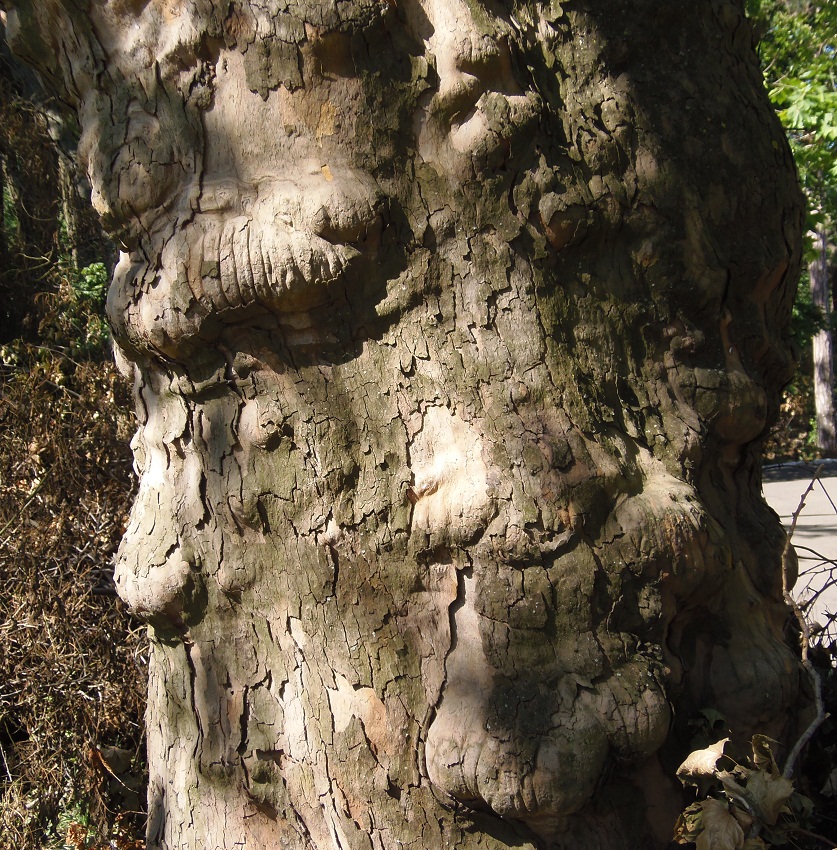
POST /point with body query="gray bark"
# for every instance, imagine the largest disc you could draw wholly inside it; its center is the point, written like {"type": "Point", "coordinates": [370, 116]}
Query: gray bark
{"type": "Point", "coordinates": [454, 328]}
{"type": "Point", "coordinates": [823, 352]}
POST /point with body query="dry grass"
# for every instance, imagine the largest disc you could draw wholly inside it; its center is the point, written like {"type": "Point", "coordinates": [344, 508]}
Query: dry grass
{"type": "Point", "coordinates": [72, 662]}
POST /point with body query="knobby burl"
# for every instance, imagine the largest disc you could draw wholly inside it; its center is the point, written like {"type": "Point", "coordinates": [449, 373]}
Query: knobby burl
{"type": "Point", "coordinates": [454, 327]}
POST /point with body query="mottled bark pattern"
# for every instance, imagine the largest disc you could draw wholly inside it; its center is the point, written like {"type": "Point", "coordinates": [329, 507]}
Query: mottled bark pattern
{"type": "Point", "coordinates": [455, 326]}
{"type": "Point", "coordinates": [822, 353]}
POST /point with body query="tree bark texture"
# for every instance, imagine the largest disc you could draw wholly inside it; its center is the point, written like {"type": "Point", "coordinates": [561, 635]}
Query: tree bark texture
{"type": "Point", "coordinates": [455, 328]}
{"type": "Point", "coordinates": [823, 354]}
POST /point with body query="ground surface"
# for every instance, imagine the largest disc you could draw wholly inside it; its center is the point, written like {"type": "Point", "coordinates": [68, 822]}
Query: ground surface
{"type": "Point", "coordinates": [815, 535]}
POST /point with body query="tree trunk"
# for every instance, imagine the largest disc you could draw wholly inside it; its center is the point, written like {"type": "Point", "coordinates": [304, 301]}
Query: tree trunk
{"type": "Point", "coordinates": [4, 245]}
{"type": "Point", "coordinates": [823, 354]}
{"type": "Point", "coordinates": [455, 330]}
{"type": "Point", "coordinates": [84, 238]}
{"type": "Point", "coordinates": [69, 206]}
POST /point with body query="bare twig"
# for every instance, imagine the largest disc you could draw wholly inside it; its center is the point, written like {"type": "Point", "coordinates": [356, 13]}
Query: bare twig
{"type": "Point", "coordinates": [798, 830]}
{"type": "Point", "coordinates": [816, 555]}
{"type": "Point", "coordinates": [5, 763]}
{"type": "Point", "coordinates": [28, 502]}
{"type": "Point", "coordinates": [804, 637]}
{"type": "Point", "coordinates": [827, 495]}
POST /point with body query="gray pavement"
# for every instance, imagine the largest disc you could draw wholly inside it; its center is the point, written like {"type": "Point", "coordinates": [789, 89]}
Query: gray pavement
{"type": "Point", "coordinates": [815, 536]}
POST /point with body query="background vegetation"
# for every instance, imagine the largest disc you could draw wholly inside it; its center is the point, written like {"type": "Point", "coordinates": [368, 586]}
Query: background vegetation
{"type": "Point", "coordinates": [72, 674]}
{"type": "Point", "coordinates": [797, 45]}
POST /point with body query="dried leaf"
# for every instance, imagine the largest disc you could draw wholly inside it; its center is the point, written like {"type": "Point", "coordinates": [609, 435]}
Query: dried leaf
{"type": "Point", "coordinates": [732, 788]}
{"type": "Point", "coordinates": [759, 792]}
{"type": "Point", "coordinates": [713, 717]}
{"type": "Point", "coordinates": [721, 831]}
{"type": "Point", "coordinates": [700, 767]}
{"type": "Point", "coordinates": [754, 844]}
{"type": "Point", "coordinates": [770, 794]}
{"type": "Point", "coordinates": [689, 824]}
{"type": "Point", "coordinates": [801, 807]}
{"type": "Point", "coordinates": [763, 754]}
{"type": "Point", "coordinates": [77, 835]}
{"type": "Point", "coordinates": [745, 819]}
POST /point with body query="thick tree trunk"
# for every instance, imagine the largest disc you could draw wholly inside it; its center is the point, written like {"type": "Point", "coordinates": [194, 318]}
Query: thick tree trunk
{"type": "Point", "coordinates": [455, 328]}
{"type": "Point", "coordinates": [823, 354]}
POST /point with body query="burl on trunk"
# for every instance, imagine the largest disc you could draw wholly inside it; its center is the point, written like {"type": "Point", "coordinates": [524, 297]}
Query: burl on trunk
{"type": "Point", "coordinates": [455, 327]}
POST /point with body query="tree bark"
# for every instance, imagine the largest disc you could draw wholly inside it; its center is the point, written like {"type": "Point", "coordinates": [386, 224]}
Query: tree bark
{"type": "Point", "coordinates": [823, 350]}
{"type": "Point", "coordinates": [83, 233]}
{"type": "Point", "coordinates": [455, 329]}
{"type": "Point", "coordinates": [4, 245]}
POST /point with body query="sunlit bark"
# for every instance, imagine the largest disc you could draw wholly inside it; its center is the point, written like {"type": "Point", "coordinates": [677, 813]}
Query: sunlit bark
{"type": "Point", "coordinates": [455, 328]}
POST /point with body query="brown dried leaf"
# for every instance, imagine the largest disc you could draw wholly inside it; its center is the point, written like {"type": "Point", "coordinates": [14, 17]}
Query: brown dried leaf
{"type": "Point", "coordinates": [770, 793]}
{"type": "Point", "coordinates": [763, 754]}
{"type": "Point", "coordinates": [744, 818]}
{"type": "Point", "coordinates": [76, 836]}
{"type": "Point", "coordinates": [721, 831]}
{"type": "Point", "coordinates": [700, 767]}
{"type": "Point", "coordinates": [762, 794]}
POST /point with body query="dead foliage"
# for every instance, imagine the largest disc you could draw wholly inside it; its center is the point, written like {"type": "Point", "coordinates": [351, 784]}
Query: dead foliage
{"type": "Point", "coordinates": [792, 436]}
{"type": "Point", "coordinates": [72, 662]}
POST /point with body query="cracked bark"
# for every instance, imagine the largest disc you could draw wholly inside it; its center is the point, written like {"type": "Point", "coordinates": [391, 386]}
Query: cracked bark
{"type": "Point", "coordinates": [455, 328]}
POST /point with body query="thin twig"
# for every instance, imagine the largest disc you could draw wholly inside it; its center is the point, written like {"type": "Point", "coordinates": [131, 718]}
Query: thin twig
{"type": "Point", "coordinates": [6, 764]}
{"type": "Point", "coordinates": [26, 504]}
{"type": "Point", "coordinates": [817, 555]}
{"type": "Point", "coordinates": [804, 637]}
{"type": "Point", "coordinates": [67, 390]}
{"type": "Point", "coordinates": [827, 496]}
{"type": "Point", "coordinates": [812, 835]}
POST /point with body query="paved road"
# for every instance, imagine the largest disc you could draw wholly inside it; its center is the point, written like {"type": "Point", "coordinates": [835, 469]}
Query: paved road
{"type": "Point", "coordinates": [815, 536]}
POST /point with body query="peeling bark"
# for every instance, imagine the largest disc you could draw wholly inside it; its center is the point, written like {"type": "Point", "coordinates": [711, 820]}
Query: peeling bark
{"type": "Point", "coordinates": [455, 328]}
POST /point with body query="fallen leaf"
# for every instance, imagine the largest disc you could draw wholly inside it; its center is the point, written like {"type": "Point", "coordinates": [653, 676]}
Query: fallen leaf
{"type": "Point", "coordinates": [770, 794]}
{"type": "Point", "coordinates": [760, 793]}
{"type": "Point", "coordinates": [688, 824]}
{"type": "Point", "coordinates": [713, 717]}
{"type": "Point", "coordinates": [721, 831]}
{"type": "Point", "coordinates": [700, 767]}
{"type": "Point", "coordinates": [763, 754]}
{"type": "Point", "coordinates": [744, 819]}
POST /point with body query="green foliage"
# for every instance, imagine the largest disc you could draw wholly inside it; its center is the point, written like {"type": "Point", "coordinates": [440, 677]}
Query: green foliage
{"type": "Point", "coordinates": [808, 110]}
{"type": "Point", "coordinates": [807, 319]}
{"type": "Point", "coordinates": [793, 35]}
{"type": "Point", "coordinates": [73, 317]}
{"type": "Point", "coordinates": [797, 44]}
{"type": "Point", "coordinates": [82, 314]}
{"type": "Point", "coordinates": [798, 50]}
{"type": "Point", "coordinates": [90, 284]}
